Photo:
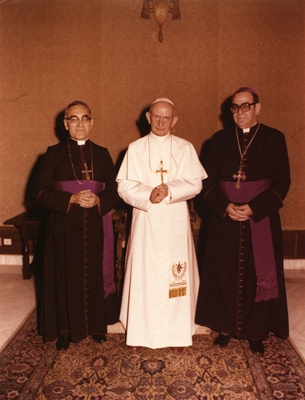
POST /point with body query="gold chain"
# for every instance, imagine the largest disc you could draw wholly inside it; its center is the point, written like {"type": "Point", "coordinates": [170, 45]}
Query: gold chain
{"type": "Point", "coordinates": [170, 158]}
{"type": "Point", "coordinates": [239, 148]}
{"type": "Point", "coordinates": [70, 155]}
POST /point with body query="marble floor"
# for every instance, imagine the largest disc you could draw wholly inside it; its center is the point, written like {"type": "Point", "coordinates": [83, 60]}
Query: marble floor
{"type": "Point", "coordinates": [17, 300]}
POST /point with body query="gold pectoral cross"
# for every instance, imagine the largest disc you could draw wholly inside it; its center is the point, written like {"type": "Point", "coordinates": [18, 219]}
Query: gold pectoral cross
{"type": "Point", "coordinates": [240, 175]}
{"type": "Point", "coordinates": [161, 170]}
{"type": "Point", "coordinates": [86, 171]}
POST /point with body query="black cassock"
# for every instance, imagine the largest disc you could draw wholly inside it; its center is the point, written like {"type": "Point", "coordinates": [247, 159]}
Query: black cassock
{"type": "Point", "coordinates": [73, 300]}
{"type": "Point", "coordinates": [226, 300]}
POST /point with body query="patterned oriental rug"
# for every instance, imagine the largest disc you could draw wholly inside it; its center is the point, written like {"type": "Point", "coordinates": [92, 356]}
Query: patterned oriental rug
{"type": "Point", "coordinates": [32, 369]}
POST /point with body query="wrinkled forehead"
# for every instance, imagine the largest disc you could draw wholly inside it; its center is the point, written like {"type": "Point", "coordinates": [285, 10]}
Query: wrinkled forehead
{"type": "Point", "coordinates": [162, 107]}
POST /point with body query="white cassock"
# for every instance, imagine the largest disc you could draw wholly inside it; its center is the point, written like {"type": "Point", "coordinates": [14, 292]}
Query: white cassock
{"type": "Point", "coordinates": [161, 274]}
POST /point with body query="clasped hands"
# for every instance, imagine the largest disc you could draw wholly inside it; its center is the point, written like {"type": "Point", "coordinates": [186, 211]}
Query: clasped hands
{"type": "Point", "coordinates": [158, 193]}
{"type": "Point", "coordinates": [85, 198]}
{"type": "Point", "coordinates": [239, 213]}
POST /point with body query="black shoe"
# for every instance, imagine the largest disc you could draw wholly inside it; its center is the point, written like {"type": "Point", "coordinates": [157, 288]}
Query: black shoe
{"type": "Point", "coordinates": [177, 350]}
{"type": "Point", "coordinates": [256, 346]}
{"type": "Point", "coordinates": [99, 338]}
{"type": "Point", "coordinates": [63, 342]}
{"type": "Point", "coordinates": [222, 340]}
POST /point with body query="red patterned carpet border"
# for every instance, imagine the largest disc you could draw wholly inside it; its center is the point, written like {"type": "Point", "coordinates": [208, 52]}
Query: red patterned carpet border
{"type": "Point", "coordinates": [32, 369]}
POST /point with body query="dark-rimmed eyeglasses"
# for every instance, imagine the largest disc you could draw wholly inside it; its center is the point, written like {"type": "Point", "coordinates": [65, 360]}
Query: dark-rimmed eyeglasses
{"type": "Point", "coordinates": [244, 107]}
{"type": "Point", "coordinates": [74, 119]}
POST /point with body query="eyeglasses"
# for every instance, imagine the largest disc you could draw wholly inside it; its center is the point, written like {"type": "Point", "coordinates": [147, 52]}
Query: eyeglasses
{"type": "Point", "coordinates": [244, 107]}
{"type": "Point", "coordinates": [74, 119]}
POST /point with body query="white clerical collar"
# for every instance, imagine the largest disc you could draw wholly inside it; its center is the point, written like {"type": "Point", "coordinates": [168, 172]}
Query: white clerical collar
{"type": "Point", "coordinates": [246, 130]}
{"type": "Point", "coordinates": [79, 142]}
{"type": "Point", "coordinates": [160, 139]}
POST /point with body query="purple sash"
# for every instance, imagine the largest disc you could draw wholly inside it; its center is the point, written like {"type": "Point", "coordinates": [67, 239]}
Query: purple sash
{"type": "Point", "coordinates": [108, 247]}
{"type": "Point", "coordinates": [262, 244]}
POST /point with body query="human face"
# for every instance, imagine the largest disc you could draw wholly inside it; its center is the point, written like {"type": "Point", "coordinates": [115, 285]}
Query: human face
{"type": "Point", "coordinates": [81, 129]}
{"type": "Point", "coordinates": [161, 118]}
{"type": "Point", "coordinates": [246, 119]}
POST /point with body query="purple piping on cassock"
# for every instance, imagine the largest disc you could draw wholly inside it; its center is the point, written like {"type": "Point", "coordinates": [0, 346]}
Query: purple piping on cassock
{"type": "Point", "coordinates": [267, 287]}
{"type": "Point", "coordinates": [108, 246]}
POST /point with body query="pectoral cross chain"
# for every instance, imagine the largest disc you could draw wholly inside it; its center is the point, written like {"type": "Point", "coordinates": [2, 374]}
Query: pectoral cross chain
{"type": "Point", "coordinates": [240, 175]}
{"type": "Point", "coordinates": [161, 170]}
{"type": "Point", "coordinates": [86, 171]}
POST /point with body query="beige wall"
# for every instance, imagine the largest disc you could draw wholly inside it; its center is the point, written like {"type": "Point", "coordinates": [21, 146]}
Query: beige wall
{"type": "Point", "coordinates": [102, 52]}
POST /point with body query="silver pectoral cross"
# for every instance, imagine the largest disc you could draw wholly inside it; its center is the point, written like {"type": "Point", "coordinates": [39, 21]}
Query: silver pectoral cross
{"type": "Point", "coordinates": [161, 170]}
{"type": "Point", "coordinates": [240, 175]}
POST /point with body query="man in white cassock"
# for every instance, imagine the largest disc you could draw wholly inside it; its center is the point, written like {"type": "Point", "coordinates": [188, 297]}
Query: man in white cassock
{"type": "Point", "coordinates": [159, 173]}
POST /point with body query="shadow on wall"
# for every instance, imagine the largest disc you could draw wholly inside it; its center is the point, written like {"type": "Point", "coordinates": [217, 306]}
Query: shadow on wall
{"type": "Point", "coordinates": [199, 207]}
{"type": "Point", "coordinates": [61, 133]}
{"type": "Point", "coordinates": [142, 123]}
{"type": "Point", "coordinates": [143, 128]}
{"type": "Point", "coordinates": [226, 115]}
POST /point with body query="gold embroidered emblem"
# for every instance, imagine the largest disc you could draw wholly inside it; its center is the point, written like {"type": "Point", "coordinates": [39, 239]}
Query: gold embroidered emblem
{"type": "Point", "coordinates": [177, 287]}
